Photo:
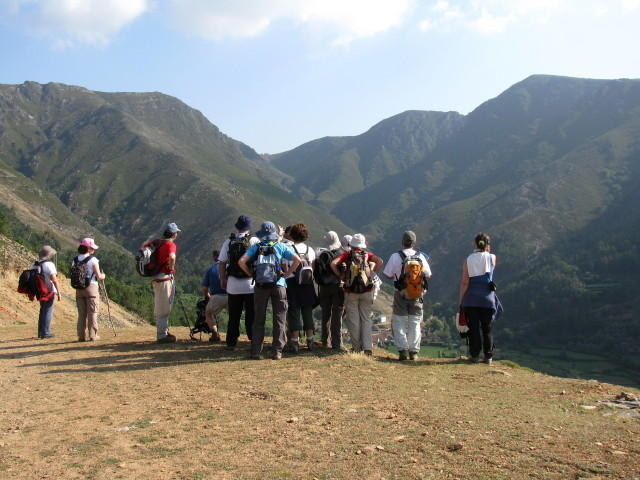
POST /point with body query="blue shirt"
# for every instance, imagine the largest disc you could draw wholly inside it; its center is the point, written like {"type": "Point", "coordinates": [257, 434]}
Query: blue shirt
{"type": "Point", "coordinates": [212, 281]}
{"type": "Point", "coordinates": [281, 252]}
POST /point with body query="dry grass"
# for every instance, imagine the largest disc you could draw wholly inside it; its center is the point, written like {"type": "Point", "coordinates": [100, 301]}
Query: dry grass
{"type": "Point", "coordinates": [130, 408]}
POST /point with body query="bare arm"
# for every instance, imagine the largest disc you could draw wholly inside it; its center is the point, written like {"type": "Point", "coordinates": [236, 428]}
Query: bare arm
{"type": "Point", "coordinates": [294, 265]}
{"type": "Point", "coordinates": [205, 291]}
{"type": "Point", "coordinates": [242, 263]}
{"type": "Point", "coordinates": [464, 282]}
{"type": "Point", "coordinates": [171, 262]}
{"type": "Point", "coordinates": [377, 263]}
{"type": "Point", "coordinates": [222, 274]}
{"type": "Point", "coordinates": [96, 271]}
{"type": "Point", "coordinates": [334, 267]}
{"type": "Point", "coordinates": [54, 281]}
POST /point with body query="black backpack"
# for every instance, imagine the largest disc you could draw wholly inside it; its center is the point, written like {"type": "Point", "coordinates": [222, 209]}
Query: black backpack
{"type": "Point", "coordinates": [80, 274]}
{"type": "Point", "coordinates": [322, 268]}
{"type": "Point", "coordinates": [237, 248]}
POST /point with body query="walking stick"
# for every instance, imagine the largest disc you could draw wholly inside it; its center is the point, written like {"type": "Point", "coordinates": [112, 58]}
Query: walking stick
{"type": "Point", "coordinates": [184, 310]}
{"type": "Point", "coordinates": [106, 297]}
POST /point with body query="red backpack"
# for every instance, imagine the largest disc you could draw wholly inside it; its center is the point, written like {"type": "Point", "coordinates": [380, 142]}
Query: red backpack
{"type": "Point", "coordinates": [33, 284]}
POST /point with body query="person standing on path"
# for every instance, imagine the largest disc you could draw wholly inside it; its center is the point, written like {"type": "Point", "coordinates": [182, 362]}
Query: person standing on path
{"type": "Point", "coordinates": [267, 259]}
{"type": "Point", "coordinates": [478, 298]}
{"type": "Point", "coordinates": [359, 265]}
{"type": "Point", "coordinates": [407, 302]}
{"type": "Point", "coordinates": [164, 286]}
{"type": "Point", "coordinates": [238, 285]}
{"type": "Point", "coordinates": [330, 292]}
{"type": "Point", "coordinates": [48, 270]}
{"type": "Point", "coordinates": [216, 296]}
{"type": "Point", "coordinates": [88, 299]}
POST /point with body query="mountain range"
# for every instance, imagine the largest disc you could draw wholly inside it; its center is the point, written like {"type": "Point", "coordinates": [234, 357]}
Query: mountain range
{"type": "Point", "coordinates": [549, 168]}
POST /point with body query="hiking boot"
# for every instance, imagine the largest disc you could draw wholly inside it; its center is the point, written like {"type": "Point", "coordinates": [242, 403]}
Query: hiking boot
{"type": "Point", "coordinates": [294, 345]}
{"type": "Point", "coordinates": [51, 335]}
{"type": "Point", "coordinates": [255, 356]}
{"type": "Point", "coordinates": [474, 359]}
{"type": "Point", "coordinates": [368, 353]}
{"type": "Point", "coordinates": [168, 339]}
{"type": "Point", "coordinates": [402, 355]}
{"type": "Point", "coordinates": [488, 361]}
{"type": "Point", "coordinates": [215, 338]}
{"type": "Point", "coordinates": [277, 356]}
{"type": "Point", "coordinates": [340, 349]}
{"type": "Point", "coordinates": [413, 356]}
{"type": "Point", "coordinates": [310, 345]}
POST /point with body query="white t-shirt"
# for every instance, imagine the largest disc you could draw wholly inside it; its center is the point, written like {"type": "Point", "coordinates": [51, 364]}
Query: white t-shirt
{"type": "Point", "coordinates": [91, 264]}
{"type": "Point", "coordinates": [393, 268]}
{"type": "Point", "coordinates": [479, 263]}
{"type": "Point", "coordinates": [236, 286]}
{"type": "Point", "coordinates": [48, 268]}
{"type": "Point", "coordinates": [301, 248]}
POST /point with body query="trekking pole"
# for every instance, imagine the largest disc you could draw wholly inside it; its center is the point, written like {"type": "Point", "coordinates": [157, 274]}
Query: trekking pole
{"type": "Point", "coordinates": [184, 310]}
{"type": "Point", "coordinates": [106, 297]}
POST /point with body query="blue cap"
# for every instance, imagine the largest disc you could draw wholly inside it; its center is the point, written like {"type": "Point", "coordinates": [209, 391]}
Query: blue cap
{"type": "Point", "coordinates": [268, 231]}
{"type": "Point", "coordinates": [173, 228]}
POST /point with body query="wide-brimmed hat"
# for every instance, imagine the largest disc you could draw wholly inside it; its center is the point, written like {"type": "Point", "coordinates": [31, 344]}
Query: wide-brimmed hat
{"type": "Point", "coordinates": [358, 241]}
{"type": "Point", "coordinates": [346, 240]}
{"type": "Point", "coordinates": [243, 223]}
{"type": "Point", "coordinates": [88, 242]}
{"type": "Point", "coordinates": [268, 231]}
{"type": "Point", "coordinates": [46, 252]}
{"type": "Point", "coordinates": [331, 240]}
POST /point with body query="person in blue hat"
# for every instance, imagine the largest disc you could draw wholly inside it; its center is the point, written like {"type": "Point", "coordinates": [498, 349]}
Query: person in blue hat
{"type": "Point", "coordinates": [269, 260]}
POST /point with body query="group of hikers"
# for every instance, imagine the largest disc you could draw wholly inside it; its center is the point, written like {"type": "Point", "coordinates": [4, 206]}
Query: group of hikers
{"type": "Point", "coordinates": [276, 264]}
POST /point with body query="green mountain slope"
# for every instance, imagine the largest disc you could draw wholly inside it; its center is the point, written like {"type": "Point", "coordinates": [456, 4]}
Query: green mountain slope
{"type": "Point", "coordinates": [329, 169]}
{"type": "Point", "coordinates": [128, 163]}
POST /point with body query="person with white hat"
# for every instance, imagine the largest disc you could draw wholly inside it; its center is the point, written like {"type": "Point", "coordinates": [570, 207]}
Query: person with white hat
{"type": "Point", "coordinates": [87, 298]}
{"type": "Point", "coordinates": [330, 292]}
{"type": "Point", "coordinates": [357, 276]}
{"type": "Point", "coordinates": [48, 270]}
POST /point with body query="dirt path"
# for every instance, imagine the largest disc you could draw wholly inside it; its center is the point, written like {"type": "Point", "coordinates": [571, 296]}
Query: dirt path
{"type": "Point", "coordinates": [129, 408]}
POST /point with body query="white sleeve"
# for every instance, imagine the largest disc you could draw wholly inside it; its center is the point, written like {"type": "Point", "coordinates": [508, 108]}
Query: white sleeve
{"type": "Point", "coordinates": [390, 269]}
{"type": "Point", "coordinates": [427, 268]}
{"type": "Point", "coordinates": [224, 251]}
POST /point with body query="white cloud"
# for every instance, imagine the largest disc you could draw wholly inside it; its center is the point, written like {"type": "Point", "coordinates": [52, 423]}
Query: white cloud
{"type": "Point", "coordinates": [343, 20]}
{"type": "Point", "coordinates": [71, 22]}
{"type": "Point", "coordinates": [631, 5]}
{"type": "Point", "coordinates": [488, 23]}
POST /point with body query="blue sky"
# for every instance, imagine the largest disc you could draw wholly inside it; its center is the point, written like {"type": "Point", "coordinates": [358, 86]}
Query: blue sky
{"type": "Point", "coordinates": [277, 73]}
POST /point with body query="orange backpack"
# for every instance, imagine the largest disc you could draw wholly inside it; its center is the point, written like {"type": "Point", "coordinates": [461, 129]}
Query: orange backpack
{"type": "Point", "coordinates": [412, 281]}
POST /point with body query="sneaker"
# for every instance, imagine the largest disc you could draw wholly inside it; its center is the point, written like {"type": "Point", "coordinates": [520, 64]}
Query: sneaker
{"type": "Point", "coordinates": [310, 345]}
{"type": "Point", "coordinates": [368, 353]}
{"type": "Point", "coordinates": [294, 345]}
{"type": "Point", "coordinates": [277, 356]}
{"type": "Point", "coordinates": [168, 339]}
{"type": "Point", "coordinates": [51, 335]}
{"type": "Point", "coordinates": [413, 356]}
{"type": "Point", "coordinates": [340, 349]}
{"type": "Point", "coordinates": [402, 355]}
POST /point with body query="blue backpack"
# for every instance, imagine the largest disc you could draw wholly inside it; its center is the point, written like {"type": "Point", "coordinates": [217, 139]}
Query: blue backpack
{"type": "Point", "coordinates": [266, 266]}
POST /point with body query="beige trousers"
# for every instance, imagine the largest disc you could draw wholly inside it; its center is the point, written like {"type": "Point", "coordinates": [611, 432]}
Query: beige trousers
{"type": "Point", "coordinates": [88, 301]}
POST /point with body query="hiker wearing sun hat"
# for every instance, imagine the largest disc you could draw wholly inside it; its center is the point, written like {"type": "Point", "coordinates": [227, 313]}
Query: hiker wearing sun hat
{"type": "Point", "coordinates": [330, 292]}
{"type": "Point", "coordinates": [48, 270]}
{"type": "Point", "coordinates": [164, 286]}
{"type": "Point", "coordinates": [85, 273]}
{"type": "Point", "coordinates": [268, 258]}
{"type": "Point", "coordinates": [358, 275]}
{"type": "Point", "coordinates": [238, 285]}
